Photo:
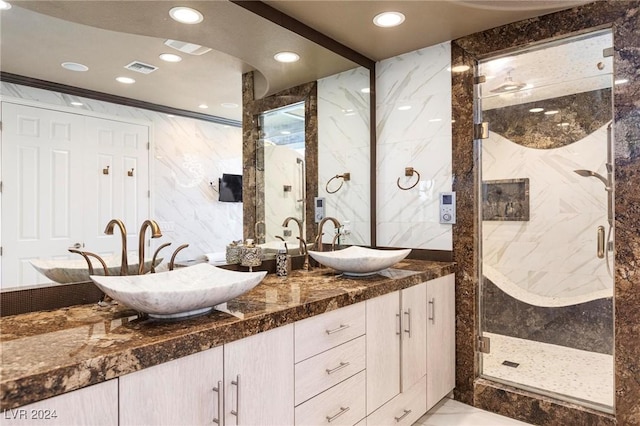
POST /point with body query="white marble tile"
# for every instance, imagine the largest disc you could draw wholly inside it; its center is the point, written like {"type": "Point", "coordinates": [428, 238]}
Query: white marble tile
{"type": "Point", "coordinates": [557, 246]}
{"type": "Point", "coordinates": [449, 412]}
{"type": "Point", "coordinates": [558, 369]}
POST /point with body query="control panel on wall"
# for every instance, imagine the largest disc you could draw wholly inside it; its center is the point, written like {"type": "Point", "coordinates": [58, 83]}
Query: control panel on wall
{"type": "Point", "coordinates": [319, 209]}
{"type": "Point", "coordinates": [448, 207]}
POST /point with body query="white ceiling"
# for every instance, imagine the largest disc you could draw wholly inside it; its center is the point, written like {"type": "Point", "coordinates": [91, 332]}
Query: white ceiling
{"type": "Point", "coordinates": [36, 36]}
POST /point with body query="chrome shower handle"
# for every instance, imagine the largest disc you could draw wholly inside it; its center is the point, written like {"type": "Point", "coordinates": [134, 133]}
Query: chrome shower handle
{"type": "Point", "coordinates": [600, 242]}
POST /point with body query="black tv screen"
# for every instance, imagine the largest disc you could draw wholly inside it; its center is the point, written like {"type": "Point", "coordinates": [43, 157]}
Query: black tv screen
{"type": "Point", "coordinates": [230, 188]}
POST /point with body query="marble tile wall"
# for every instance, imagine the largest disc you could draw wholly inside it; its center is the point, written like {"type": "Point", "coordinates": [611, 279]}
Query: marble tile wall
{"type": "Point", "coordinates": [187, 155]}
{"type": "Point", "coordinates": [343, 146]}
{"type": "Point", "coordinates": [622, 17]}
{"type": "Point", "coordinates": [554, 253]}
{"type": "Point", "coordinates": [414, 130]}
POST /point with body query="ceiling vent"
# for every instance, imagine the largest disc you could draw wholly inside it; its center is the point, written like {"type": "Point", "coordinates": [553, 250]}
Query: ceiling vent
{"type": "Point", "coordinates": [189, 48]}
{"type": "Point", "coordinates": [141, 67]}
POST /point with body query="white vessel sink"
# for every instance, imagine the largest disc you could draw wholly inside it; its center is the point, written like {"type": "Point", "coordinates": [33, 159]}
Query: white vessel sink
{"type": "Point", "coordinates": [75, 270]}
{"type": "Point", "coordinates": [293, 247]}
{"type": "Point", "coordinates": [183, 292]}
{"type": "Point", "coordinates": [359, 261]}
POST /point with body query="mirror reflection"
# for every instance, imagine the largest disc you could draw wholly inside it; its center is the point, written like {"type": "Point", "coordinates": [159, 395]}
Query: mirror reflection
{"type": "Point", "coordinates": [174, 177]}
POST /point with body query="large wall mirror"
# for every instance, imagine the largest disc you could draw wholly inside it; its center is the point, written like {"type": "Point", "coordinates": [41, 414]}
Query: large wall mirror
{"type": "Point", "coordinates": [182, 180]}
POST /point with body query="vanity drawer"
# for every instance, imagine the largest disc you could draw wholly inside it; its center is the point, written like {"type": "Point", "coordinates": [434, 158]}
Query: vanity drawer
{"type": "Point", "coordinates": [325, 331]}
{"type": "Point", "coordinates": [404, 409]}
{"type": "Point", "coordinates": [318, 373]}
{"type": "Point", "coordinates": [343, 404]}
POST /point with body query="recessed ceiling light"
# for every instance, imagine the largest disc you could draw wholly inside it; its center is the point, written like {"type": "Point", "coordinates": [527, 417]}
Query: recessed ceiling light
{"type": "Point", "coordinates": [537, 109]}
{"type": "Point", "coordinates": [229, 105]}
{"type": "Point", "coordinates": [621, 81]}
{"type": "Point", "coordinates": [125, 80]}
{"type": "Point", "coordinates": [76, 103]}
{"type": "Point", "coordinates": [404, 108]}
{"type": "Point", "coordinates": [203, 106]}
{"type": "Point", "coordinates": [285, 132]}
{"type": "Point", "coordinates": [4, 5]}
{"type": "Point", "coordinates": [74, 66]}
{"type": "Point", "coordinates": [388, 19]}
{"type": "Point", "coordinates": [286, 57]}
{"type": "Point", "coordinates": [186, 15]}
{"type": "Point", "coordinates": [170, 57]}
{"type": "Point", "coordinates": [460, 68]}
{"type": "Point", "coordinates": [365, 90]}
{"type": "Point", "coordinates": [551, 112]}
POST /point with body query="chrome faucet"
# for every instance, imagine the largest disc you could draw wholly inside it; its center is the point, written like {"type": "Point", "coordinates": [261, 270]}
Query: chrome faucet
{"type": "Point", "coordinates": [155, 233]}
{"type": "Point", "coordinates": [336, 224]}
{"type": "Point", "coordinates": [124, 264]}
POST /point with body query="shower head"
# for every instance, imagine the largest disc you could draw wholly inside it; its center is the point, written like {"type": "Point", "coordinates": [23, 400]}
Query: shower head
{"type": "Point", "coordinates": [589, 173]}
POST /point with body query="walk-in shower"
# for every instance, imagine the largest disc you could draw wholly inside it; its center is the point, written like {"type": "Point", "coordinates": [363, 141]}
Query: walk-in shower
{"type": "Point", "coordinates": [546, 284]}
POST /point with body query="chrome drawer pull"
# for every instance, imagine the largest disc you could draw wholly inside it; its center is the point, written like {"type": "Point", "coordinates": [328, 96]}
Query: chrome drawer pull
{"type": "Point", "coordinates": [406, 413]}
{"type": "Point", "coordinates": [335, 330]}
{"type": "Point", "coordinates": [218, 390]}
{"type": "Point", "coordinates": [236, 412]}
{"type": "Point", "coordinates": [340, 367]}
{"type": "Point", "coordinates": [432, 304]}
{"type": "Point", "coordinates": [335, 416]}
{"type": "Point", "coordinates": [408, 329]}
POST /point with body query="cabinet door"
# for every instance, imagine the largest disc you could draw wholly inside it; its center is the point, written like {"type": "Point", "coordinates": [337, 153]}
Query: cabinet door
{"type": "Point", "coordinates": [179, 392]}
{"type": "Point", "coordinates": [93, 405]}
{"type": "Point", "coordinates": [383, 349]}
{"type": "Point", "coordinates": [414, 335]}
{"type": "Point", "coordinates": [259, 384]}
{"type": "Point", "coordinates": [441, 352]}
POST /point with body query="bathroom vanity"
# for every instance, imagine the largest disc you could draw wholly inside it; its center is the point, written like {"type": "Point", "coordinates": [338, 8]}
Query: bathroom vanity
{"type": "Point", "coordinates": [311, 348]}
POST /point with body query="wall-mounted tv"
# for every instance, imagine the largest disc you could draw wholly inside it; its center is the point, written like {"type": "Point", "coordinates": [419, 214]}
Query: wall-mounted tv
{"type": "Point", "coordinates": [230, 188]}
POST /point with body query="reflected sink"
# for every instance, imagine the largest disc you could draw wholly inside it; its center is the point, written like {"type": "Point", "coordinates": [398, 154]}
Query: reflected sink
{"type": "Point", "coordinates": [75, 270]}
{"type": "Point", "coordinates": [359, 261]}
{"type": "Point", "coordinates": [183, 292]}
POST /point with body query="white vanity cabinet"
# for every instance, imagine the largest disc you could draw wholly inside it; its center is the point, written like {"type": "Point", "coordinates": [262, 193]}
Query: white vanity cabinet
{"type": "Point", "coordinates": [396, 344]}
{"type": "Point", "coordinates": [93, 405]}
{"type": "Point", "coordinates": [185, 391]}
{"type": "Point", "coordinates": [330, 353]}
{"type": "Point", "coordinates": [258, 380]}
{"type": "Point", "coordinates": [441, 340]}
{"type": "Point", "coordinates": [245, 382]}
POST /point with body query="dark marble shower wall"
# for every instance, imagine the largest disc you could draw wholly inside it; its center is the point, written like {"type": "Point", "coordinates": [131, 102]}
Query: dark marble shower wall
{"type": "Point", "coordinates": [624, 19]}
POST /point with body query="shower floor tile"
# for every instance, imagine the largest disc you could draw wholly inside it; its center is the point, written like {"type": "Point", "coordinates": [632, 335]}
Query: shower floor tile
{"type": "Point", "coordinates": [579, 374]}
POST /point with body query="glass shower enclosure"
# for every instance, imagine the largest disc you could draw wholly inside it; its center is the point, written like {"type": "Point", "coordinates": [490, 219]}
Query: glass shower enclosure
{"type": "Point", "coordinates": [547, 220]}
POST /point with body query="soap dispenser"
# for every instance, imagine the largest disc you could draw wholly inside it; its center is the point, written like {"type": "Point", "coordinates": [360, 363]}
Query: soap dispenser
{"type": "Point", "coordinates": [283, 261]}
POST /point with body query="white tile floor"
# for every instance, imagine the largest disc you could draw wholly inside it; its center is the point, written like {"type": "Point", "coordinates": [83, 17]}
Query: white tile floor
{"type": "Point", "coordinates": [453, 413]}
{"type": "Point", "coordinates": [566, 371]}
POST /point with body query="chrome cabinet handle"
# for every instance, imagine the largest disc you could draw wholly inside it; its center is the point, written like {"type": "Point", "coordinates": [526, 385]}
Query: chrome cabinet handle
{"type": "Point", "coordinates": [399, 325]}
{"type": "Point", "coordinates": [408, 329]}
{"type": "Point", "coordinates": [406, 413]}
{"type": "Point", "coordinates": [335, 330]}
{"type": "Point", "coordinates": [235, 412]}
{"type": "Point", "coordinates": [432, 304]}
{"type": "Point", "coordinates": [335, 416]}
{"type": "Point", "coordinates": [220, 408]}
{"type": "Point", "coordinates": [340, 367]}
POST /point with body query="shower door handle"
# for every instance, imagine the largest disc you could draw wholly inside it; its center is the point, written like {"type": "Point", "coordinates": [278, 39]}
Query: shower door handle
{"type": "Point", "coordinates": [600, 242]}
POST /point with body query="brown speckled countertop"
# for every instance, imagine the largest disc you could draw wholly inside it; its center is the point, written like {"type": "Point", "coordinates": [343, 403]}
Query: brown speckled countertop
{"type": "Point", "coordinates": [48, 353]}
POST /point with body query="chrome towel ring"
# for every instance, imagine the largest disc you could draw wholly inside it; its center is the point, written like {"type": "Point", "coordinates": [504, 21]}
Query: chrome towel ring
{"type": "Point", "coordinates": [409, 171]}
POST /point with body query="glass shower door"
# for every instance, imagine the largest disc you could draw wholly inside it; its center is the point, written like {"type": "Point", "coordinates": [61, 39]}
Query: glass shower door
{"type": "Point", "coordinates": [547, 219]}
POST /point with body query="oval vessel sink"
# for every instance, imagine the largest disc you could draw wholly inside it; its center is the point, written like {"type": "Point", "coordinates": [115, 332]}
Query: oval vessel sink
{"type": "Point", "coordinates": [359, 261]}
{"type": "Point", "coordinates": [75, 270]}
{"type": "Point", "coordinates": [183, 292]}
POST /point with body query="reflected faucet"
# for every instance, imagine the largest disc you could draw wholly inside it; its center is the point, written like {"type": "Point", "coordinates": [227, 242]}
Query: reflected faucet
{"type": "Point", "coordinates": [303, 245]}
{"type": "Point", "coordinates": [124, 264]}
{"type": "Point", "coordinates": [155, 233]}
{"type": "Point", "coordinates": [105, 300]}
{"type": "Point", "coordinates": [336, 224]}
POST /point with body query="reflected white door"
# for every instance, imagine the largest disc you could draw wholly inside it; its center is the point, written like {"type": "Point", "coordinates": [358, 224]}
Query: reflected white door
{"type": "Point", "coordinates": [55, 193]}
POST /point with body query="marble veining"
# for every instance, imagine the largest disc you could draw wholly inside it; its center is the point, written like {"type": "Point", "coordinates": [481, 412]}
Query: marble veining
{"type": "Point", "coordinates": [48, 353]}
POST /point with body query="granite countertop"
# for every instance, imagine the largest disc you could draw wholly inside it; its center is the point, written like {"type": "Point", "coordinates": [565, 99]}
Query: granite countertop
{"type": "Point", "coordinates": [48, 353]}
